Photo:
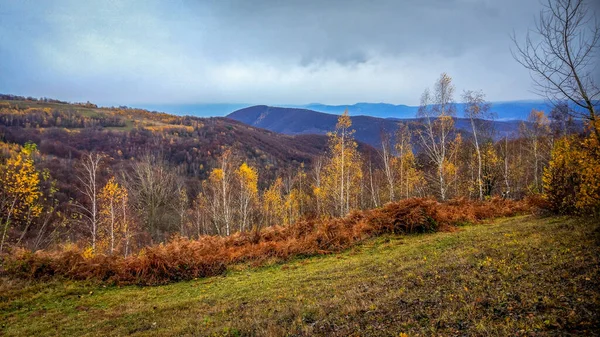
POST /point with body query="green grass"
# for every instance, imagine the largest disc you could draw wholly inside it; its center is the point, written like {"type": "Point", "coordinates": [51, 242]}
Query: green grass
{"type": "Point", "coordinates": [514, 276]}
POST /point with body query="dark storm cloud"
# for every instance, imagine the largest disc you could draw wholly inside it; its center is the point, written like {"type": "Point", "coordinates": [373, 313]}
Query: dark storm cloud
{"type": "Point", "coordinates": [259, 51]}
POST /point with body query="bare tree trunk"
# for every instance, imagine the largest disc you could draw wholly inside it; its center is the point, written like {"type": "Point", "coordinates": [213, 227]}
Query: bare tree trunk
{"type": "Point", "coordinates": [373, 194]}
{"type": "Point", "coordinates": [506, 167]}
{"type": "Point", "coordinates": [386, 155]}
{"type": "Point", "coordinates": [479, 179]}
{"type": "Point", "coordinates": [89, 180]}
{"type": "Point", "coordinates": [343, 163]}
{"type": "Point", "coordinates": [7, 223]}
{"type": "Point", "coordinates": [112, 227]}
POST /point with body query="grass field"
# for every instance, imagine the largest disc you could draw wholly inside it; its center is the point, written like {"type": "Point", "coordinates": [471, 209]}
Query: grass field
{"type": "Point", "coordinates": [517, 276]}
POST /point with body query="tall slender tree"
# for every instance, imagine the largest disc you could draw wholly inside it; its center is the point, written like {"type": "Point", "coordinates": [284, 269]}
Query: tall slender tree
{"type": "Point", "coordinates": [388, 163]}
{"type": "Point", "coordinates": [343, 172]}
{"type": "Point", "coordinates": [90, 187]}
{"type": "Point", "coordinates": [476, 109]}
{"type": "Point", "coordinates": [248, 193]}
{"type": "Point", "coordinates": [436, 114]}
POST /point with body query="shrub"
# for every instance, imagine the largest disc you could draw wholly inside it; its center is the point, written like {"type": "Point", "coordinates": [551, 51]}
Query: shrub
{"type": "Point", "coordinates": [184, 259]}
{"type": "Point", "coordinates": [572, 179]}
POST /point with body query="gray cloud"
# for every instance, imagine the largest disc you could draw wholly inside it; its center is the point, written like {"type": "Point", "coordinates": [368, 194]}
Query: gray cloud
{"type": "Point", "coordinates": [274, 52]}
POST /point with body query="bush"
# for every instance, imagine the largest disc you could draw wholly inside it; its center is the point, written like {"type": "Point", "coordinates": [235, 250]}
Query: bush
{"type": "Point", "coordinates": [184, 259]}
{"type": "Point", "coordinates": [572, 179]}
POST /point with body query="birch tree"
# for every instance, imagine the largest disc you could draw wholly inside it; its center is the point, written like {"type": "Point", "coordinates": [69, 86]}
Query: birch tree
{"type": "Point", "coordinates": [388, 158]}
{"type": "Point", "coordinates": [436, 114]}
{"type": "Point", "coordinates": [90, 187]}
{"type": "Point", "coordinates": [114, 217]}
{"type": "Point", "coordinates": [248, 193]}
{"type": "Point", "coordinates": [476, 108]}
{"type": "Point", "coordinates": [536, 131]}
{"type": "Point", "coordinates": [343, 171]}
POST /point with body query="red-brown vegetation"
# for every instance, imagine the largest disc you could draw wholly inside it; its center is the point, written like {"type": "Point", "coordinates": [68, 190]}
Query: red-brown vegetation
{"type": "Point", "coordinates": [184, 259]}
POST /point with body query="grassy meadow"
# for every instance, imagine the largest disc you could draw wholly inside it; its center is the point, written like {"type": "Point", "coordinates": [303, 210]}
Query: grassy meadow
{"type": "Point", "coordinates": [513, 276]}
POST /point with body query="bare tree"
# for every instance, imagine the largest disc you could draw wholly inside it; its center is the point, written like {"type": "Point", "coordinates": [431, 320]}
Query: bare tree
{"type": "Point", "coordinates": [436, 113]}
{"type": "Point", "coordinates": [220, 195]}
{"type": "Point", "coordinates": [561, 122]}
{"type": "Point", "coordinates": [374, 194]}
{"type": "Point", "coordinates": [505, 172]}
{"type": "Point", "coordinates": [403, 138]}
{"type": "Point", "coordinates": [387, 157]}
{"type": "Point", "coordinates": [476, 108]}
{"type": "Point", "coordinates": [201, 215]}
{"type": "Point", "coordinates": [317, 172]}
{"type": "Point", "coordinates": [182, 208]}
{"type": "Point", "coordinates": [153, 189]}
{"type": "Point", "coordinates": [562, 55]}
{"type": "Point", "coordinates": [88, 178]}
{"type": "Point", "coordinates": [536, 132]}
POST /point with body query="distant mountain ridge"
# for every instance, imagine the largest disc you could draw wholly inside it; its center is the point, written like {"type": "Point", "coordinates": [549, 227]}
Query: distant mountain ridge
{"type": "Point", "coordinates": [510, 110]}
{"type": "Point", "coordinates": [295, 121]}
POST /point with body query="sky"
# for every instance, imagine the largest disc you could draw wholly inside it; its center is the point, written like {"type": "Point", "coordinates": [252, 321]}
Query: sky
{"type": "Point", "coordinates": [260, 52]}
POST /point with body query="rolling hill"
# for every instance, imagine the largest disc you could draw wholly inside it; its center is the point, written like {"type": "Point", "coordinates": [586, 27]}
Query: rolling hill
{"type": "Point", "coordinates": [190, 145]}
{"type": "Point", "coordinates": [296, 121]}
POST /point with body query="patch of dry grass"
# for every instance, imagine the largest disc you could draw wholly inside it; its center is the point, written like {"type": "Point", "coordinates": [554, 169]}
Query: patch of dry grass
{"type": "Point", "coordinates": [183, 259]}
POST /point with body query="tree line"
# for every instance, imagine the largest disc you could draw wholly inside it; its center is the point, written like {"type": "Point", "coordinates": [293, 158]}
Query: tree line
{"type": "Point", "coordinates": [119, 210]}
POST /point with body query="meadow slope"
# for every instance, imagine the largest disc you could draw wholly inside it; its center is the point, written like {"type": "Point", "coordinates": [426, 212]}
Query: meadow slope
{"type": "Point", "coordinates": [515, 276]}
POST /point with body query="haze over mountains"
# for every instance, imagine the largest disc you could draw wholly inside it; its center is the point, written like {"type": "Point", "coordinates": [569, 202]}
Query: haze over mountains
{"type": "Point", "coordinates": [295, 121]}
{"type": "Point", "coordinates": [510, 110]}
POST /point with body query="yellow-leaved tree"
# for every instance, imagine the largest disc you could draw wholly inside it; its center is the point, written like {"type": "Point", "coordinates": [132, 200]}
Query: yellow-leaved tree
{"type": "Point", "coordinates": [572, 178]}
{"type": "Point", "coordinates": [115, 228]}
{"type": "Point", "coordinates": [273, 204]}
{"type": "Point", "coordinates": [410, 179]}
{"type": "Point", "coordinates": [491, 171]}
{"type": "Point", "coordinates": [19, 190]}
{"type": "Point", "coordinates": [218, 188]}
{"type": "Point", "coordinates": [296, 198]}
{"type": "Point", "coordinates": [343, 172]}
{"type": "Point", "coordinates": [248, 194]}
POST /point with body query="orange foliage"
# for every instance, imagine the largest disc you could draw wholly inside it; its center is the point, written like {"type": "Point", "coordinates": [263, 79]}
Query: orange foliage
{"type": "Point", "coordinates": [184, 259]}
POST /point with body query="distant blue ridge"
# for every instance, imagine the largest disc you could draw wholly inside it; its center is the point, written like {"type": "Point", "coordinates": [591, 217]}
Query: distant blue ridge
{"type": "Point", "coordinates": [507, 110]}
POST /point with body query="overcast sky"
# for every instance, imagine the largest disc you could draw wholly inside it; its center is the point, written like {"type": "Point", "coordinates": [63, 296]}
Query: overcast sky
{"type": "Point", "coordinates": [260, 52]}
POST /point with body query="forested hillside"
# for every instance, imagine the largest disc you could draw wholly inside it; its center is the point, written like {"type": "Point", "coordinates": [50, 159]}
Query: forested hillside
{"type": "Point", "coordinates": [113, 181]}
{"type": "Point", "coordinates": [59, 137]}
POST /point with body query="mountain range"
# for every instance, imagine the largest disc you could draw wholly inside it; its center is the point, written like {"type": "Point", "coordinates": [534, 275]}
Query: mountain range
{"type": "Point", "coordinates": [503, 110]}
{"type": "Point", "coordinates": [296, 121]}
{"type": "Point", "coordinates": [510, 110]}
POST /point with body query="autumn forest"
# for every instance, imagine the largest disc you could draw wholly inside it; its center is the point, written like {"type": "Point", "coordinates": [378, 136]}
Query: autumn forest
{"type": "Point", "coordinates": [116, 180]}
{"type": "Point", "coordinates": [457, 221]}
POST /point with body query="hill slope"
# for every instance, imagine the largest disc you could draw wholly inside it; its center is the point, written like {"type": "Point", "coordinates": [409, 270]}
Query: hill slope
{"type": "Point", "coordinates": [294, 121]}
{"type": "Point", "coordinates": [192, 144]}
{"type": "Point", "coordinates": [498, 279]}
